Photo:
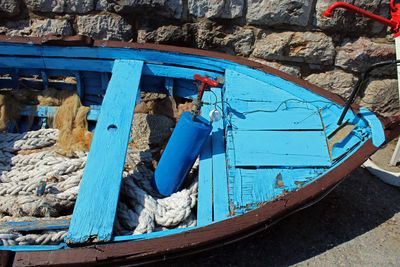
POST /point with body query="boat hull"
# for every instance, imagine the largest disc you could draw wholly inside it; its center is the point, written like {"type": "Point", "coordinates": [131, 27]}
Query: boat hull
{"type": "Point", "coordinates": [215, 234]}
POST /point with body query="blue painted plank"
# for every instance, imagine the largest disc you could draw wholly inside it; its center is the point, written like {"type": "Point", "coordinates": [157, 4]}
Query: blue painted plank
{"type": "Point", "coordinates": [80, 90]}
{"type": "Point", "coordinates": [278, 82]}
{"type": "Point", "coordinates": [378, 133]}
{"type": "Point", "coordinates": [281, 148]}
{"type": "Point", "coordinates": [93, 82]}
{"type": "Point", "coordinates": [230, 156]}
{"type": "Point", "coordinates": [34, 247]}
{"type": "Point", "coordinates": [175, 72]}
{"type": "Point", "coordinates": [185, 88]}
{"type": "Point", "coordinates": [49, 111]}
{"type": "Point", "coordinates": [44, 79]}
{"type": "Point", "coordinates": [220, 180]}
{"type": "Point", "coordinates": [152, 234]}
{"type": "Point", "coordinates": [44, 224]}
{"type": "Point", "coordinates": [205, 192]}
{"type": "Point", "coordinates": [105, 78]}
{"type": "Point", "coordinates": [254, 187]}
{"type": "Point", "coordinates": [114, 53]}
{"type": "Point", "coordinates": [330, 116]}
{"type": "Point", "coordinates": [100, 65]}
{"type": "Point", "coordinates": [271, 115]}
{"type": "Point", "coordinates": [15, 79]}
{"type": "Point", "coordinates": [96, 204]}
{"type": "Point", "coordinates": [56, 63]}
{"type": "Point", "coordinates": [243, 87]}
{"type": "Point", "coordinates": [169, 85]}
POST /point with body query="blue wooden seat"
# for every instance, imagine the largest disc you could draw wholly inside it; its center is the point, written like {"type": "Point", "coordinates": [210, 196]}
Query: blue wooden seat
{"type": "Point", "coordinates": [96, 205]}
{"type": "Point", "coordinates": [213, 203]}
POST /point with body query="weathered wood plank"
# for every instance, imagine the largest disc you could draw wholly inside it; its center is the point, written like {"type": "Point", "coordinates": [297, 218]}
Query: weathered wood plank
{"type": "Point", "coordinates": [48, 111]}
{"type": "Point", "coordinates": [281, 148]}
{"type": "Point", "coordinates": [273, 115]}
{"type": "Point", "coordinates": [175, 72]}
{"type": "Point", "coordinates": [243, 87]}
{"type": "Point", "coordinates": [220, 180]}
{"type": "Point", "coordinates": [44, 224]}
{"type": "Point", "coordinates": [114, 53]}
{"type": "Point", "coordinates": [33, 247]}
{"type": "Point", "coordinates": [253, 187]}
{"type": "Point", "coordinates": [57, 63]}
{"type": "Point", "coordinates": [96, 204]}
{"type": "Point", "coordinates": [100, 65]}
{"type": "Point", "coordinates": [205, 192]}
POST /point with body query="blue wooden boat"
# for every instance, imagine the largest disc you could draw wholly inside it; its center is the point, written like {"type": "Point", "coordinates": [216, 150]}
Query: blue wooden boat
{"type": "Point", "coordinates": [277, 148]}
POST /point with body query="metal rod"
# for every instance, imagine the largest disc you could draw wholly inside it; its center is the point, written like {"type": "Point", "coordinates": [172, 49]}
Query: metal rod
{"type": "Point", "coordinates": [390, 23]}
{"type": "Point", "coordinates": [358, 86]}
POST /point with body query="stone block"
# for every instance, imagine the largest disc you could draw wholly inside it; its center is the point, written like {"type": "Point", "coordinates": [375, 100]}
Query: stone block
{"type": "Point", "coordinates": [357, 55]}
{"type": "Point", "coordinates": [226, 9]}
{"type": "Point", "coordinates": [51, 26]}
{"type": "Point", "coordinates": [277, 12]}
{"type": "Point", "coordinates": [304, 47]}
{"type": "Point", "coordinates": [336, 81]}
{"type": "Point", "coordinates": [167, 8]}
{"type": "Point", "coordinates": [79, 6]}
{"type": "Point", "coordinates": [104, 27]}
{"type": "Point", "coordinates": [53, 6]}
{"type": "Point", "coordinates": [170, 34]}
{"type": "Point", "coordinates": [9, 8]}
{"type": "Point", "coordinates": [381, 97]}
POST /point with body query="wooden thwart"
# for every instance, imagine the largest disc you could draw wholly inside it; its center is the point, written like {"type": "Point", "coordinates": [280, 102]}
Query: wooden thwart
{"type": "Point", "coordinates": [205, 194]}
{"type": "Point", "coordinates": [38, 225]}
{"type": "Point", "coordinates": [213, 203]}
{"type": "Point", "coordinates": [220, 181]}
{"type": "Point", "coordinates": [96, 205]}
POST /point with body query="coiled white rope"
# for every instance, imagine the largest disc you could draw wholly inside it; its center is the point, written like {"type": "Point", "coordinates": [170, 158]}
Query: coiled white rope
{"type": "Point", "coordinates": [45, 184]}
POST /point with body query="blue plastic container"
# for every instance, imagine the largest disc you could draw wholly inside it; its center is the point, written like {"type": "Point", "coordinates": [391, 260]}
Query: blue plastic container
{"type": "Point", "coordinates": [180, 153]}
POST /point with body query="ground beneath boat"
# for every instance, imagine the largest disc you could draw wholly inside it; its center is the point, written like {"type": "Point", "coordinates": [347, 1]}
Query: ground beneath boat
{"type": "Point", "coordinates": [358, 224]}
{"type": "Point", "coordinates": [382, 157]}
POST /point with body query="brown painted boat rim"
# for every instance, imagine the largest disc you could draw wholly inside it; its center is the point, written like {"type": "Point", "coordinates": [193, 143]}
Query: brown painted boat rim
{"type": "Point", "coordinates": [198, 238]}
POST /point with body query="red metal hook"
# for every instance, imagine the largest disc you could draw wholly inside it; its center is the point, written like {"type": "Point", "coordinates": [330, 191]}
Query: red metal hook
{"type": "Point", "coordinates": [395, 12]}
{"type": "Point", "coordinates": [204, 80]}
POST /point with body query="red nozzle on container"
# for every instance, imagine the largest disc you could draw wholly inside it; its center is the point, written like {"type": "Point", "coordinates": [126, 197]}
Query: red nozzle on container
{"type": "Point", "coordinates": [204, 80]}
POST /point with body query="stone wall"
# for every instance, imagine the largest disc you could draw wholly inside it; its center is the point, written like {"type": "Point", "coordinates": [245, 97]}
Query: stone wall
{"type": "Point", "coordinates": [291, 35]}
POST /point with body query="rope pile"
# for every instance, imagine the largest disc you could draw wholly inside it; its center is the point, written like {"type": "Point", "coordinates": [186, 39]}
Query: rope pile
{"type": "Point", "coordinates": [38, 183]}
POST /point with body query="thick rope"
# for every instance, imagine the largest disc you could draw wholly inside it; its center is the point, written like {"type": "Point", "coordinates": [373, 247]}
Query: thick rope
{"type": "Point", "coordinates": [37, 182]}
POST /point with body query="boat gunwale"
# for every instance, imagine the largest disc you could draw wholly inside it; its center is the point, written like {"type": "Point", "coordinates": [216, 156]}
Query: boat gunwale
{"type": "Point", "coordinates": [232, 228]}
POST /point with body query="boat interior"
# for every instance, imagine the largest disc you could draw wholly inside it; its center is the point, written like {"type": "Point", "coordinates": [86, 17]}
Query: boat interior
{"type": "Point", "coordinates": [275, 136]}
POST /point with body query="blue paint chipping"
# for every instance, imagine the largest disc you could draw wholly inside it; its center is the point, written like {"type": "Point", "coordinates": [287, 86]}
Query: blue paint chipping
{"type": "Point", "coordinates": [43, 224]}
